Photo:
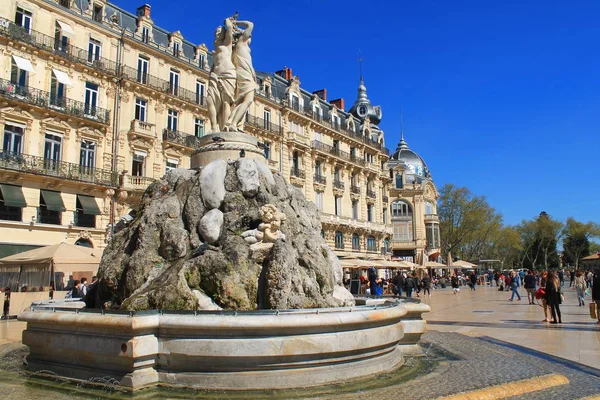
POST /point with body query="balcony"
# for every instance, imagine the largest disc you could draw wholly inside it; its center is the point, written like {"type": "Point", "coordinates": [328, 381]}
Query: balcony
{"type": "Point", "coordinates": [130, 182]}
{"type": "Point", "coordinates": [47, 43]}
{"type": "Point", "coordinates": [45, 216]}
{"type": "Point", "coordinates": [357, 160]}
{"type": "Point", "coordinates": [319, 179]}
{"type": "Point", "coordinates": [432, 218]}
{"type": "Point", "coordinates": [180, 139]}
{"type": "Point", "coordinates": [163, 86]}
{"type": "Point", "coordinates": [385, 199]}
{"type": "Point", "coordinates": [297, 173]}
{"type": "Point", "coordinates": [24, 163]}
{"type": "Point", "coordinates": [143, 129]}
{"type": "Point", "coordinates": [365, 226]}
{"type": "Point", "coordinates": [263, 124]}
{"type": "Point", "coordinates": [371, 194]}
{"type": "Point", "coordinates": [337, 184]}
{"type": "Point", "coordinates": [40, 98]}
{"type": "Point", "coordinates": [355, 189]}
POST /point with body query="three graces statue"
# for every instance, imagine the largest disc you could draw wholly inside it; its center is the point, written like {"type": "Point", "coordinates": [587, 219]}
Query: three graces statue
{"type": "Point", "coordinates": [232, 78]}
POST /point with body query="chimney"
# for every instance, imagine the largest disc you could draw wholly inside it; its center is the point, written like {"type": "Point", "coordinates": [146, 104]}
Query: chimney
{"type": "Point", "coordinates": [322, 94]}
{"type": "Point", "coordinates": [339, 103]}
{"type": "Point", "coordinates": [143, 11]}
{"type": "Point", "coordinates": [285, 73]}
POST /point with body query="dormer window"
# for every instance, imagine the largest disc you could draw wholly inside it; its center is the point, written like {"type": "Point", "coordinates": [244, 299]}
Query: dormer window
{"type": "Point", "coordinates": [362, 110]}
{"type": "Point", "coordinates": [201, 60]}
{"type": "Point", "coordinates": [145, 34]}
{"type": "Point", "coordinates": [97, 13]}
{"type": "Point", "coordinates": [176, 48]}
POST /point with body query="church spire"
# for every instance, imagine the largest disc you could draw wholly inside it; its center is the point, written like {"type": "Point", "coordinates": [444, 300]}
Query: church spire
{"type": "Point", "coordinates": [402, 144]}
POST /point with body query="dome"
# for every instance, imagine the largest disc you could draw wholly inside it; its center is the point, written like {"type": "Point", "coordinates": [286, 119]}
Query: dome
{"type": "Point", "coordinates": [362, 107]}
{"type": "Point", "coordinates": [413, 162]}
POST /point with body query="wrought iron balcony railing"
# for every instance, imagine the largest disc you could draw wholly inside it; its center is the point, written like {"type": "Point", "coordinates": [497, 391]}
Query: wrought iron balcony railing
{"type": "Point", "coordinates": [84, 220]}
{"type": "Point", "coordinates": [298, 173]}
{"type": "Point", "coordinates": [49, 44]}
{"type": "Point", "coordinates": [264, 124]}
{"type": "Point", "coordinates": [181, 139]}
{"type": "Point", "coordinates": [59, 169]}
{"type": "Point", "coordinates": [385, 199]}
{"type": "Point", "coordinates": [11, 213]}
{"type": "Point", "coordinates": [163, 85]}
{"type": "Point", "coordinates": [355, 189]}
{"type": "Point", "coordinates": [338, 184]}
{"type": "Point", "coordinates": [371, 194]}
{"type": "Point", "coordinates": [45, 216]}
{"type": "Point", "coordinates": [318, 178]}
{"type": "Point", "coordinates": [40, 98]}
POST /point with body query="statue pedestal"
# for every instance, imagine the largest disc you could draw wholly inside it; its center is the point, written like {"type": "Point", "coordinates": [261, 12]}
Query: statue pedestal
{"type": "Point", "coordinates": [226, 146]}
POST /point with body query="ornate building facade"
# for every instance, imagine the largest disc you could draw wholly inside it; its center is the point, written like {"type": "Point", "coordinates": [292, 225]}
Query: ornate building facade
{"type": "Point", "coordinates": [96, 103]}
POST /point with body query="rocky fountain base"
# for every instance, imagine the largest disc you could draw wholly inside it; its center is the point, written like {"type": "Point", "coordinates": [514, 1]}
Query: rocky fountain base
{"type": "Point", "coordinates": [251, 296]}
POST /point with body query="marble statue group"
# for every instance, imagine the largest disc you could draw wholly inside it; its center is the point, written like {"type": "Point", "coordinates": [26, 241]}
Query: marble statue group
{"type": "Point", "coordinates": [232, 77]}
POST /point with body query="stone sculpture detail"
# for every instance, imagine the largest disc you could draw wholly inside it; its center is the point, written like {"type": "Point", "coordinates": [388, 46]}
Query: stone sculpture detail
{"type": "Point", "coordinates": [268, 231]}
{"type": "Point", "coordinates": [232, 77]}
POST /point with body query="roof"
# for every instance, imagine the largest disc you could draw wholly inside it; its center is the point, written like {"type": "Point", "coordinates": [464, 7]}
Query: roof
{"type": "Point", "coordinates": [592, 257]}
{"type": "Point", "coordinates": [62, 253]}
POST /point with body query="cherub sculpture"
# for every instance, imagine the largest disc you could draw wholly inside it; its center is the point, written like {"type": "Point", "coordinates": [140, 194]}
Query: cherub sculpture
{"type": "Point", "coordinates": [268, 231]}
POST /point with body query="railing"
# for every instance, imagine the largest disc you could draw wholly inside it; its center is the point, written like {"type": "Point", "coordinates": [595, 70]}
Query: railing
{"type": "Point", "coordinates": [272, 163]}
{"type": "Point", "coordinates": [385, 199]}
{"type": "Point", "coordinates": [355, 246]}
{"type": "Point", "coordinates": [355, 223]}
{"type": "Point", "coordinates": [48, 43]}
{"type": "Point", "coordinates": [45, 216]}
{"type": "Point", "coordinates": [163, 85]}
{"type": "Point", "coordinates": [355, 189]}
{"type": "Point", "coordinates": [339, 246]}
{"type": "Point", "coordinates": [11, 214]}
{"type": "Point", "coordinates": [131, 182]}
{"type": "Point", "coordinates": [371, 194]}
{"type": "Point", "coordinates": [357, 160]}
{"type": "Point", "coordinates": [298, 173]}
{"type": "Point", "coordinates": [143, 127]}
{"type": "Point", "coordinates": [264, 124]}
{"type": "Point", "coordinates": [338, 184]}
{"type": "Point", "coordinates": [431, 217]}
{"type": "Point", "coordinates": [320, 179]}
{"type": "Point", "coordinates": [60, 169]}
{"type": "Point", "coordinates": [40, 98]}
{"type": "Point", "coordinates": [181, 139]}
{"type": "Point", "coordinates": [84, 220]}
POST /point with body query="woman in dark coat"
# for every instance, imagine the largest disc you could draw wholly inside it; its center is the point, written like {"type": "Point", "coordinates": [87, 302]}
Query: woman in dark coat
{"type": "Point", "coordinates": [553, 297]}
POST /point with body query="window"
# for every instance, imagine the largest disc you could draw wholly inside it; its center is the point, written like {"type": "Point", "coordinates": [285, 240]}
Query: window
{"type": "Point", "coordinates": [335, 120]}
{"type": "Point", "coordinates": [145, 34]}
{"type": "Point", "coordinates": [336, 144]}
{"type": "Point", "coordinates": [142, 72]}
{"type": "Point", "coordinates": [174, 81]}
{"type": "Point", "coordinates": [200, 92]}
{"type": "Point", "coordinates": [319, 200]}
{"type": "Point", "coordinates": [201, 61]}
{"type": "Point", "coordinates": [371, 243]}
{"type": "Point", "coordinates": [172, 117]}
{"type": "Point", "coordinates": [399, 181]}
{"type": "Point", "coordinates": [87, 155]}
{"type": "Point", "coordinates": [61, 41]}
{"type": "Point", "coordinates": [401, 209]}
{"type": "Point", "coordinates": [141, 106]}
{"type": "Point", "coordinates": [355, 209]}
{"type": "Point", "coordinates": [52, 150]}
{"type": "Point", "coordinates": [370, 212]}
{"type": "Point", "coordinates": [433, 235]}
{"type": "Point", "coordinates": [339, 240]}
{"type": "Point", "coordinates": [295, 161]}
{"type": "Point", "coordinates": [267, 117]}
{"type": "Point", "coordinates": [138, 163]}
{"type": "Point", "coordinates": [403, 231]}
{"type": "Point", "coordinates": [57, 92]}
{"type": "Point", "coordinates": [13, 138]}
{"type": "Point", "coordinates": [91, 98]}
{"type": "Point", "coordinates": [385, 216]}
{"type": "Point", "coordinates": [386, 246]}
{"type": "Point", "coordinates": [338, 205]}
{"type": "Point", "coordinates": [318, 168]}
{"type": "Point", "coordinates": [23, 18]}
{"type": "Point", "coordinates": [336, 175]}
{"type": "Point", "coordinates": [318, 113]}
{"type": "Point", "coordinates": [176, 48]}
{"type": "Point", "coordinates": [198, 127]}
{"type": "Point", "coordinates": [18, 76]}
{"type": "Point", "coordinates": [97, 15]}
{"type": "Point", "coordinates": [267, 150]}
{"type": "Point", "coordinates": [355, 242]}
{"type": "Point", "coordinates": [295, 103]}
{"type": "Point", "coordinates": [353, 153]}
{"type": "Point", "coordinates": [85, 212]}
{"type": "Point", "coordinates": [171, 164]}
{"type": "Point", "coordinates": [428, 208]}
{"type": "Point", "coordinates": [94, 50]}
{"type": "Point", "coordinates": [51, 208]}
{"type": "Point", "coordinates": [10, 210]}
{"type": "Point", "coordinates": [368, 157]}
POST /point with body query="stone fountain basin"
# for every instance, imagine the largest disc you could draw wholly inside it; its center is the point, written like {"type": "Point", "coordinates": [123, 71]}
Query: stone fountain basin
{"type": "Point", "coordinates": [224, 349]}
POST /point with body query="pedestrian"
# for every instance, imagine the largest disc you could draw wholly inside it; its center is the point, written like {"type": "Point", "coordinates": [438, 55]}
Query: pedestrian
{"type": "Point", "coordinates": [6, 309]}
{"type": "Point", "coordinates": [572, 277]}
{"type": "Point", "coordinates": [473, 279]}
{"type": "Point", "coordinates": [373, 278]}
{"type": "Point", "coordinates": [543, 281]}
{"type": "Point", "coordinates": [580, 286]}
{"type": "Point", "coordinates": [561, 277]}
{"type": "Point", "coordinates": [553, 297]}
{"type": "Point", "coordinates": [399, 282]}
{"type": "Point", "coordinates": [454, 284]}
{"type": "Point", "coordinates": [410, 285]}
{"type": "Point", "coordinates": [596, 291]}
{"type": "Point", "coordinates": [426, 283]}
{"type": "Point", "coordinates": [417, 284]}
{"type": "Point", "coordinates": [83, 286]}
{"type": "Point", "coordinates": [530, 286]}
{"type": "Point", "coordinates": [514, 286]}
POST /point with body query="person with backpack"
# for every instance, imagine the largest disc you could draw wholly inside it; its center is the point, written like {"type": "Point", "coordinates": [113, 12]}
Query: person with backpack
{"type": "Point", "coordinates": [410, 286]}
{"type": "Point", "coordinates": [399, 283]}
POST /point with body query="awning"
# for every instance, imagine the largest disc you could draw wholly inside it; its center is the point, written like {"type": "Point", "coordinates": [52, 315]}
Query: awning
{"type": "Point", "coordinates": [90, 207]}
{"type": "Point", "coordinates": [54, 201]}
{"type": "Point", "coordinates": [13, 196]}
{"type": "Point", "coordinates": [66, 29]}
{"type": "Point", "coordinates": [24, 64]}
{"type": "Point", "coordinates": [62, 77]}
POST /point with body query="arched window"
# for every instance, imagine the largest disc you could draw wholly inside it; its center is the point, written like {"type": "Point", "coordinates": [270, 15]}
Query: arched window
{"type": "Point", "coordinates": [371, 243]}
{"type": "Point", "coordinates": [401, 209]}
{"type": "Point", "coordinates": [386, 245]}
{"type": "Point", "coordinates": [355, 242]}
{"type": "Point", "coordinates": [84, 243]}
{"type": "Point", "coordinates": [428, 208]}
{"type": "Point", "coordinates": [339, 240]}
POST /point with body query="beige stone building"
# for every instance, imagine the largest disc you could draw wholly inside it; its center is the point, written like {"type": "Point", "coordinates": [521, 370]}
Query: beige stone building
{"type": "Point", "coordinates": [97, 102]}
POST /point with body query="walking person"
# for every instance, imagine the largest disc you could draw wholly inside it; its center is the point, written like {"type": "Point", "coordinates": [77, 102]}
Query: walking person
{"type": "Point", "coordinates": [426, 283]}
{"type": "Point", "coordinates": [514, 285]}
{"type": "Point", "coordinates": [553, 297]}
{"type": "Point", "coordinates": [596, 291]}
{"type": "Point", "coordinates": [561, 277]}
{"type": "Point", "coordinates": [399, 283]}
{"type": "Point", "coordinates": [454, 284]}
{"type": "Point", "coordinates": [373, 278]}
{"type": "Point", "coordinates": [530, 286]}
{"type": "Point", "coordinates": [473, 279]}
{"type": "Point", "coordinates": [572, 277]}
{"type": "Point", "coordinates": [580, 286]}
{"type": "Point", "coordinates": [543, 281]}
{"type": "Point", "coordinates": [410, 285]}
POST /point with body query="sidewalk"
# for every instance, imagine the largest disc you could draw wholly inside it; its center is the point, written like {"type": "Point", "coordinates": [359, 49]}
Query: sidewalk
{"type": "Point", "coordinates": [488, 312]}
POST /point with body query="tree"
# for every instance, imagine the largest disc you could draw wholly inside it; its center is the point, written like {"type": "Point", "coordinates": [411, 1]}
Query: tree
{"type": "Point", "coordinates": [468, 225]}
{"type": "Point", "coordinates": [576, 242]}
{"type": "Point", "coordinates": [540, 238]}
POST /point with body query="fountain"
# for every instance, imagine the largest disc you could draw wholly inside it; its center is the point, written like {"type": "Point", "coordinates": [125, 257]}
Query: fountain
{"type": "Point", "coordinates": [222, 280]}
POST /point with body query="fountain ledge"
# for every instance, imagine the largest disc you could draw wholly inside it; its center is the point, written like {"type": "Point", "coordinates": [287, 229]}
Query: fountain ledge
{"type": "Point", "coordinates": [224, 349]}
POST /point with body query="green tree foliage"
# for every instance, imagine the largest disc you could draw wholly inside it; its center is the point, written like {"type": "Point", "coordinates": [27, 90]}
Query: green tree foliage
{"type": "Point", "coordinates": [540, 237]}
{"type": "Point", "coordinates": [577, 240]}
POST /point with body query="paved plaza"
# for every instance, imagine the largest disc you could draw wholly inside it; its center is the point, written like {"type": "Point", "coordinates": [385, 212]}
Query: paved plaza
{"type": "Point", "coordinates": [488, 312]}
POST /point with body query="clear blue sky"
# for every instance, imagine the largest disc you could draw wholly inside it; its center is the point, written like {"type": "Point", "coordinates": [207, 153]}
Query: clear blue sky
{"type": "Point", "coordinates": [502, 97]}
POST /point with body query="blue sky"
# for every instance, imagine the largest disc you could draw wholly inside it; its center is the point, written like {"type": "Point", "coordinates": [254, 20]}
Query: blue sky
{"type": "Point", "coordinates": [502, 97]}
